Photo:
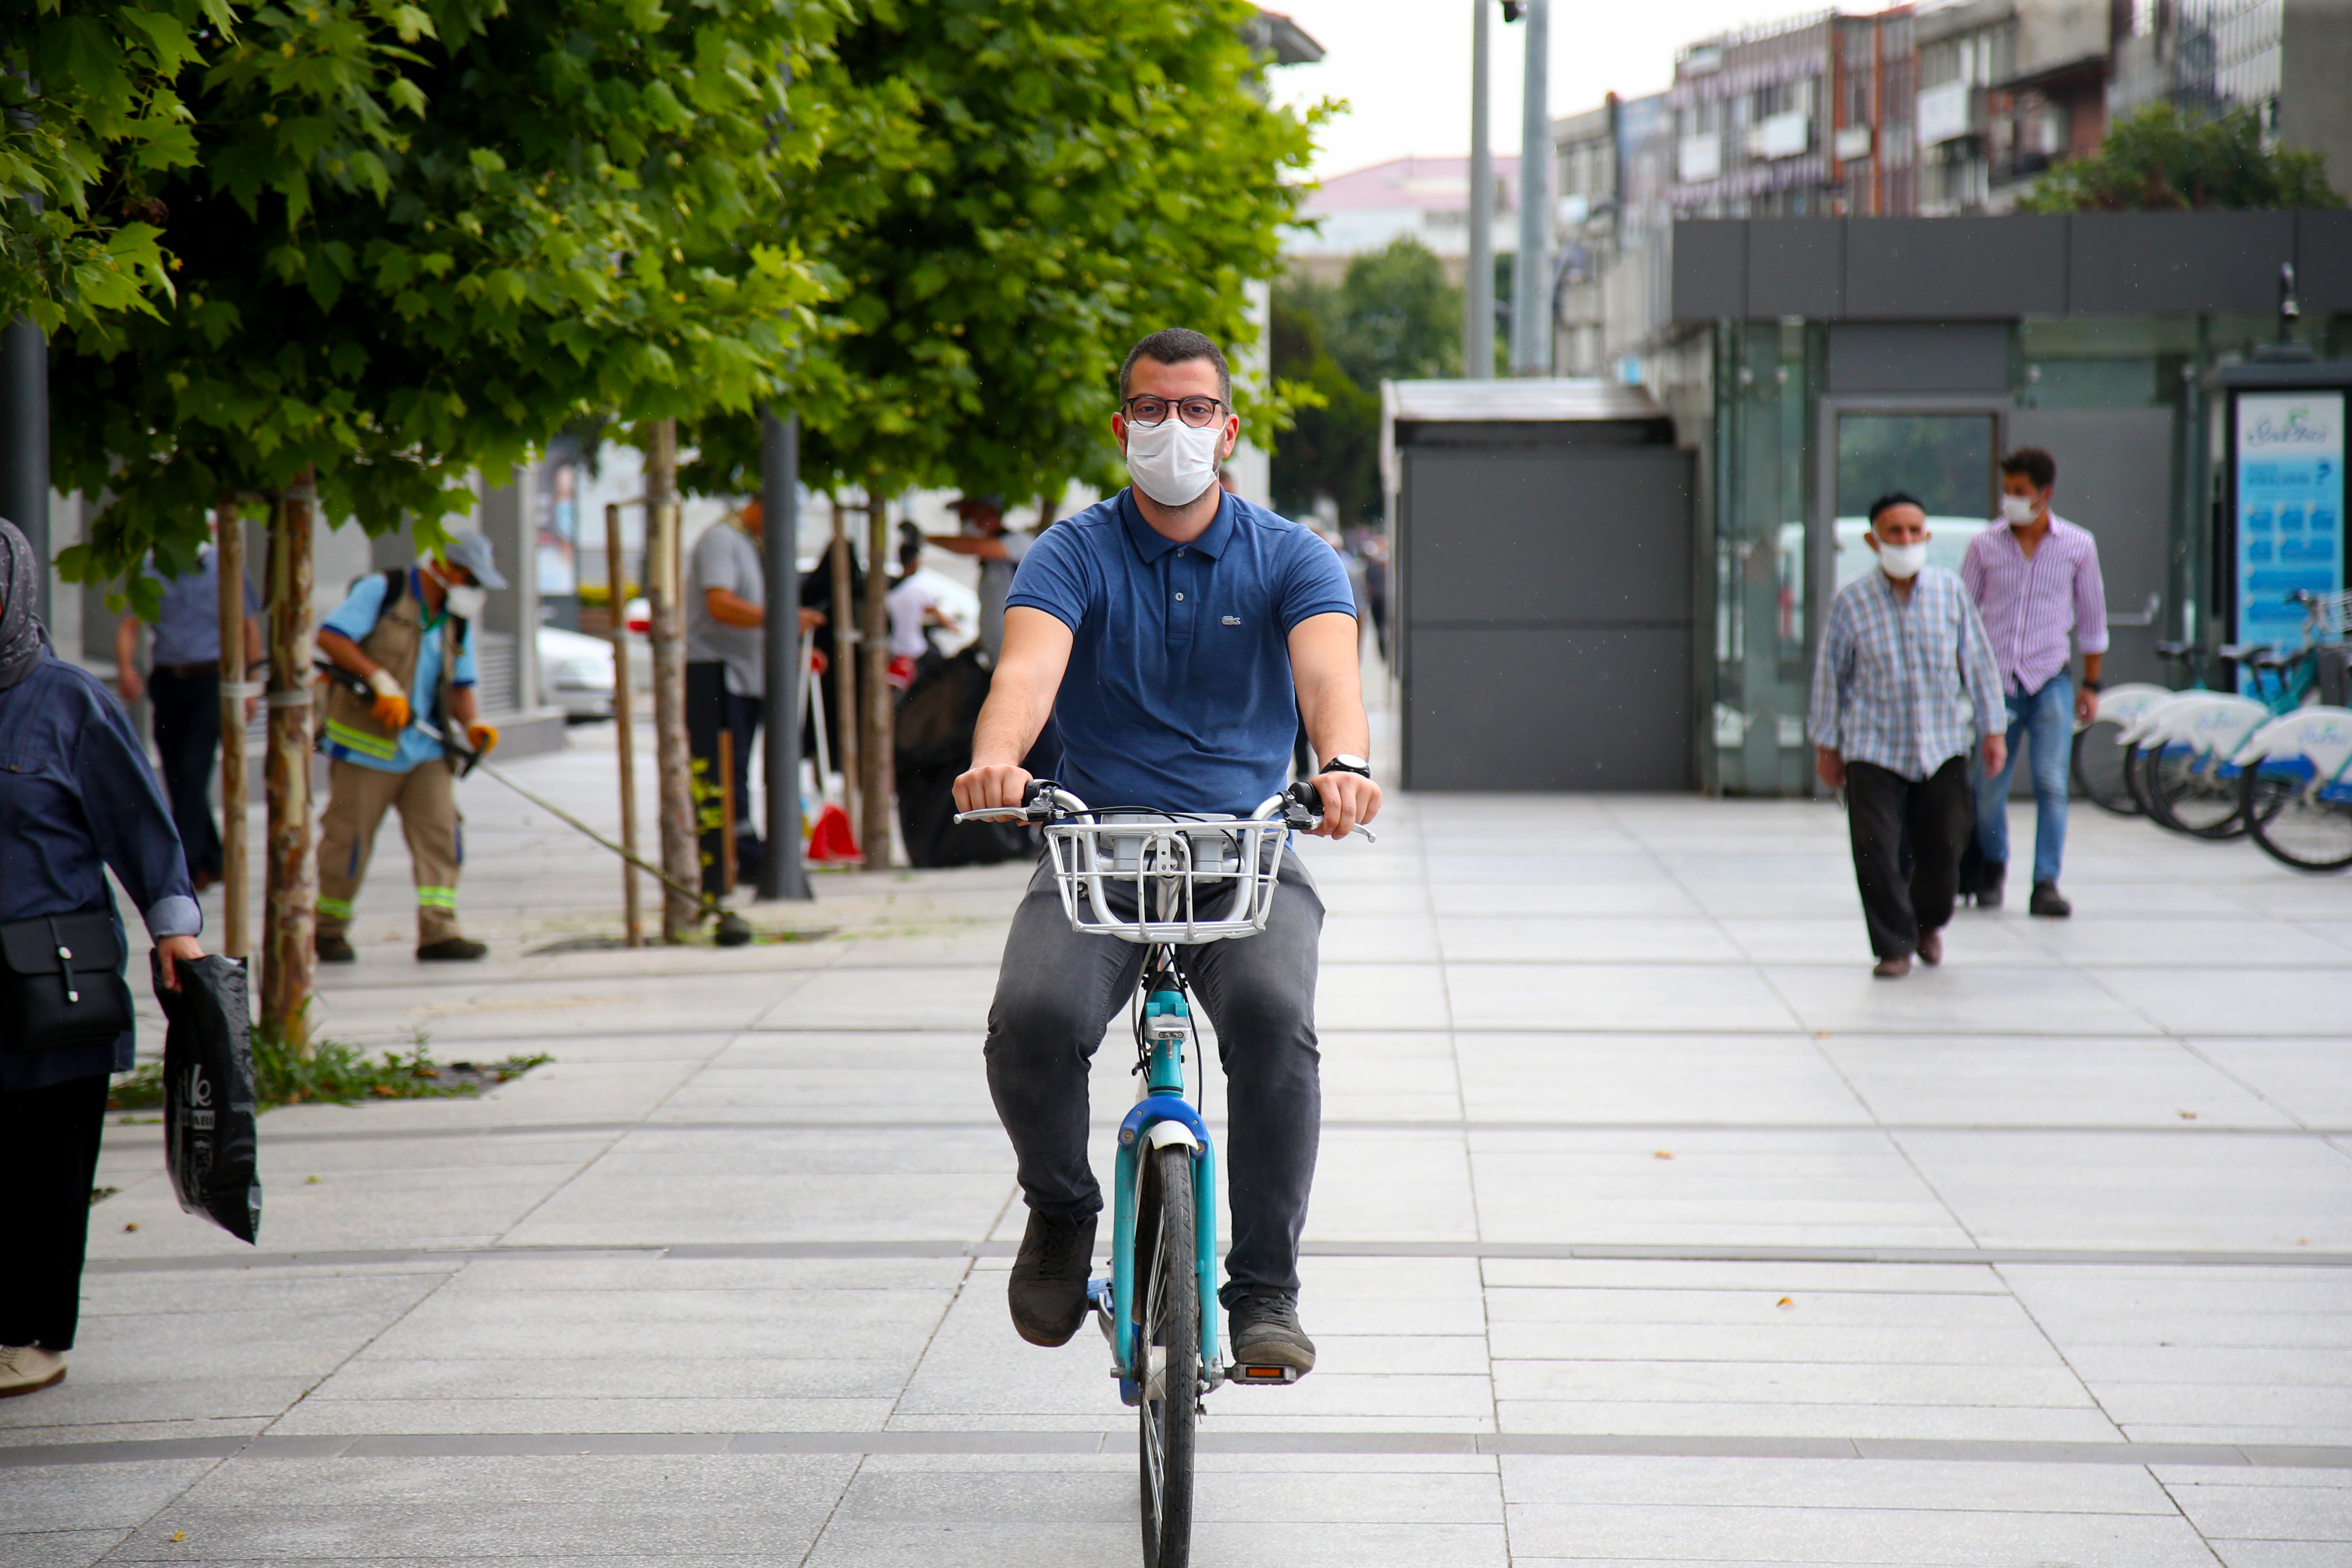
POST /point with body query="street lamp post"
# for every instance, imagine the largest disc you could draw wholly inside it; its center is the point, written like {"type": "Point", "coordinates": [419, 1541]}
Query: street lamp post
{"type": "Point", "coordinates": [1531, 277]}
{"type": "Point", "coordinates": [1478, 283]}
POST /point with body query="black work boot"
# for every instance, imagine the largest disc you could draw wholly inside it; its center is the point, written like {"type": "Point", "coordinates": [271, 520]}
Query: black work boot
{"type": "Point", "coordinates": [1047, 1292]}
{"type": "Point", "coordinates": [451, 950]}
{"type": "Point", "coordinates": [1266, 1331]}
{"type": "Point", "coordinates": [1988, 881]}
{"type": "Point", "coordinates": [2046, 901]}
{"type": "Point", "coordinates": [333, 950]}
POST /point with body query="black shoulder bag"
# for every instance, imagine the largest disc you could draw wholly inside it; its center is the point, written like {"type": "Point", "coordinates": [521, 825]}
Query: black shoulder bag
{"type": "Point", "coordinates": [61, 982]}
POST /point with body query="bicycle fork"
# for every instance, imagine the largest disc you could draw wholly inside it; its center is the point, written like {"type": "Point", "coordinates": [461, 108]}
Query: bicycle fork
{"type": "Point", "coordinates": [1161, 1116]}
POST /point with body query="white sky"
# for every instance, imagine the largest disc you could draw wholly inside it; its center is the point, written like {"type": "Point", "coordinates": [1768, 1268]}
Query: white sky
{"type": "Point", "coordinates": [1404, 65]}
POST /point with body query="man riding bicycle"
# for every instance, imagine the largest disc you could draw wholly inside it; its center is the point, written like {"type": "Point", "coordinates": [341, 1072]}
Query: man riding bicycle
{"type": "Point", "coordinates": [1173, 637]}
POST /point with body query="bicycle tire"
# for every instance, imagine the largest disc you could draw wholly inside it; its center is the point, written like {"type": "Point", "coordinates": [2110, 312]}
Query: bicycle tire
{"type": "Point", "coordinates": [2314, 837]}
{"type": "Point", "coordinates": [2098, 766]}
{"type": "Point", "coordinates": [2135, 780]}
{"type": "Point", "coordinates": [1167, 1305]}
{"type": "Point", "coordinates": [2190, 800]}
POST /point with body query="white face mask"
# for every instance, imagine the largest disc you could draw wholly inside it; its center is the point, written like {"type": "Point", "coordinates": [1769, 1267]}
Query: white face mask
{"type": "Point", "coordinates": [2018, 511]}
{"type": "Point", "coordinates": [1903, 560]}
{"type": "Point", "coordinates": [1171, 462]}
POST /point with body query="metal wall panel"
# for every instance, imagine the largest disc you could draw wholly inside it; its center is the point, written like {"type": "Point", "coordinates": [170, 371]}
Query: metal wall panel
{"type": "Point", "coordinates": [2143, 264]}
{"type": "Point", "coordinates": [2323, 260]}
{"type": "Point", "coordinates": [1796, 267]}
{"type": "Point", "coordinates": [1546, 617]}
{"type": "Point", "coordinates": [1918, 356]}
{"type": "Point", "coordinates": [1550, 709]}
{"type": "Point", "coordinates": [2115, 477]}
{"type": "Point", "coordinates": [1710, 270]}
{"type": "Point", "coordinates": [1955, 267]}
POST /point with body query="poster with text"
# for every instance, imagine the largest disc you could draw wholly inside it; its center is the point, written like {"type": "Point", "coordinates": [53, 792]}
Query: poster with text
{"type": "Point", "coordinates": [2290, 511]}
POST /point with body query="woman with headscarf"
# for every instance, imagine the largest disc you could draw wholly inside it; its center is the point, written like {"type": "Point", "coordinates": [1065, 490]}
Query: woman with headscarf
{"type": "Point", "coordinates": [77, 796]}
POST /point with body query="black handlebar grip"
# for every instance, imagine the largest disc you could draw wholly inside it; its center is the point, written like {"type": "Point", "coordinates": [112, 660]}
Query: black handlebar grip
{"type": "Point", "coordinates": [1034, 791]}
{"type": "Point", "coordinates": [1305, 797]}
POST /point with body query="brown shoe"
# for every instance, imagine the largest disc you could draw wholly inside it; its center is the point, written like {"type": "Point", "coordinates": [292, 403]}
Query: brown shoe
{"type": "Point", "coordinates": [1894, 968]}
{"type": "Point", "coordinates": [1931, 947]}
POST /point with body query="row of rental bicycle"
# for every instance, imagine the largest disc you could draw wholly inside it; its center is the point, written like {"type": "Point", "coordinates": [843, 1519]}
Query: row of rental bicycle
{"type": "Point", "coordinates": [2268, 760]}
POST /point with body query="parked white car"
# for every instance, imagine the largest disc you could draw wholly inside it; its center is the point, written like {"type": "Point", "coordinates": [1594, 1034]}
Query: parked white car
{"type": "Point", "coordinates": [576, 673]}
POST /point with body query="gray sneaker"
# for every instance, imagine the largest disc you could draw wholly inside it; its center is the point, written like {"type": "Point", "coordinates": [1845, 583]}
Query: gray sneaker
{"type": "Point", "coordinates": [1047, 1292]}
{"type": "Point", "coordinates": [1267, 1339]}
{"type": "Point", "coordinates": [28, 1369]}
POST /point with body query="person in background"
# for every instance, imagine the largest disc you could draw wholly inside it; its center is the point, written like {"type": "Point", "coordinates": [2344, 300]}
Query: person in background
{"type": "Point", "coordinates": [2034, 581]}
{"type": "Point", "coordinates": [183, 681]}
{"type": "Point", "coordinates": [1900, 647]}
{"type": "Point", "coordinates": [914, 607]}
{"type": "Point", "coordinates": [727, 673]}
{"type": "Point", "coordinates": [77, 797]}
{"type": "Point", "coordinates": [998, 549]}
{"type": "Point", "coordinates": [410, 636]}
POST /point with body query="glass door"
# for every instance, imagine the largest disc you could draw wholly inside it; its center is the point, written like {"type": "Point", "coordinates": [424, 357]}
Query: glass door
{"type": "Point", "coordinates": [1944, 459]}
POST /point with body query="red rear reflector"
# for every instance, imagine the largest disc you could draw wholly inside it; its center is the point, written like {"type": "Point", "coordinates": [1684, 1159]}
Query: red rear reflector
{"type": "Point", "coordinates": [1273, 1372]}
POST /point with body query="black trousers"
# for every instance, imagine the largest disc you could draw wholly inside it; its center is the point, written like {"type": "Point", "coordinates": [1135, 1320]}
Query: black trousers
{"type": "Point", "coordinates": [1058, 989]}
{"type": "Point", "coordinates": [1937, 814]}
{"type": "Point", "coordinates": [710, 710]}
{"type": "Point", "coordinates": [48, 1163]}
{"type": "Point", "coordinates": [188, 734]}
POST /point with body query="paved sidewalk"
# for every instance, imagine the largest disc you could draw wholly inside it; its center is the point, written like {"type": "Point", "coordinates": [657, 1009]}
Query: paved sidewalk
{"type": "Point", "coordinates": [1649, 1229]}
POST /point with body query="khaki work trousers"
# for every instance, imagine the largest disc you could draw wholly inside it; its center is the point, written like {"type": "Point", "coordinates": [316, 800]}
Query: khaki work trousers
{"type": "Point", "coordinates": [356, 801]}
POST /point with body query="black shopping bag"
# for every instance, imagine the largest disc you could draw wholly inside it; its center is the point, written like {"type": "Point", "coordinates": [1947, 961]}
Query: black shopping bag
{"type": "Point", "coordinates": [210, 1137]}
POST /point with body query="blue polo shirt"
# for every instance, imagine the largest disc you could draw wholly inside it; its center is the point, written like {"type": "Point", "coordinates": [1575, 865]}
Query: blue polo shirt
{"type": "Point", "coordinates": [356, 617]}
{"type": "Point", "coordinates": [1179, 695]}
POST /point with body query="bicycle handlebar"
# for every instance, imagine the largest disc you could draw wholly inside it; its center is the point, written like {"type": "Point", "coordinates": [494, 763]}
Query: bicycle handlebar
{"type": "Point", "coordinates": [1301, 807]}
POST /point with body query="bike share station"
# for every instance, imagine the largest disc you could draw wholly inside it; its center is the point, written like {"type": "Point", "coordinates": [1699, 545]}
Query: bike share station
{"type": "Point", "coordinates": [1812, 365]}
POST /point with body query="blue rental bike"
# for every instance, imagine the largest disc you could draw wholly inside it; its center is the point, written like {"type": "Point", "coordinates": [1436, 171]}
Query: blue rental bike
{"type": "Point", "coordinates": [1166, 881]}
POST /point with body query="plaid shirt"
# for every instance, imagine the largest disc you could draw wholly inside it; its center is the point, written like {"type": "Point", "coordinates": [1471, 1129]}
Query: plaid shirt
{"type": "Point", "coordinates": [1888, 684]}
{"type": "Point", "coordinates": [2030, 604]}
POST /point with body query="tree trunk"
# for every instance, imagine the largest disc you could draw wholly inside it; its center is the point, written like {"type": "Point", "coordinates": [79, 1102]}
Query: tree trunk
{"type": "Point", "coordinates": [873, 740]}
{"type": "Point", "coordinates": [681, 854]}
{"type": "Point", "coordinates": [228, 555]}
{"type": "Point", "coordinates": [846, 720]}
{"type": "Point", "coordinates": [291, 887]}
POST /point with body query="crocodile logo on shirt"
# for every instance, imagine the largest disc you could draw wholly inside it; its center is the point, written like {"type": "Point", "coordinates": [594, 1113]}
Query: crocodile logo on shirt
{"type": "Point", "coordinates": [1233, 620]}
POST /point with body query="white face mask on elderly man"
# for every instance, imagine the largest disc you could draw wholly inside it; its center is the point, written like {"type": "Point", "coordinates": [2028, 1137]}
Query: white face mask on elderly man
{"type": "Point", "coordinates": [1171, 462]}
{"type": "Point", "coordinates": [1903, 560]}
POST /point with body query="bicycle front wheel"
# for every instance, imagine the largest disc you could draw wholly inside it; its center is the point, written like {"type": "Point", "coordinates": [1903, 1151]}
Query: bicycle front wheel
{"type": "Point", "coordinates": [1167, 1305]}
{"type": "Point", "coordinates": [2192, 798]}
{"type": "Point", "coordinates": [2099, 768]}
{"type": "Point", "coordinates": [2310, 834]}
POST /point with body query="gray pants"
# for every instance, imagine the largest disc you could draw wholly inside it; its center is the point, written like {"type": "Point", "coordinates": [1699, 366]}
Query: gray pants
{"type": "Point", "coordinates": [1058, 989]}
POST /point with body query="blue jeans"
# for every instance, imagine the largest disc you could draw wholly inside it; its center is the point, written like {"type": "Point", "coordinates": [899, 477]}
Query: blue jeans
{"type": "Point", "coordinates": [2047, 715]}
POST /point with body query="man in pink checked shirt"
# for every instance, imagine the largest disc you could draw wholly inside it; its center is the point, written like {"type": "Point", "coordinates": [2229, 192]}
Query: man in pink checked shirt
{"type": "Point", "coordinates": [2034, 581]}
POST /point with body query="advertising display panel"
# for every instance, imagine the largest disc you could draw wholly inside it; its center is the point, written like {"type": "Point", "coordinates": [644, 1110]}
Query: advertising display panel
{"type": "Point", "coordinates": [2290, 510]}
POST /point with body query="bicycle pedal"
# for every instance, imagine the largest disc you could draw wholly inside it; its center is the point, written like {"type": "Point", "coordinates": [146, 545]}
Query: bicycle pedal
{"type": "Point", "coordinates": [1098, 1296]}
{"type": "Point", "coordinates": [1268, 1375]}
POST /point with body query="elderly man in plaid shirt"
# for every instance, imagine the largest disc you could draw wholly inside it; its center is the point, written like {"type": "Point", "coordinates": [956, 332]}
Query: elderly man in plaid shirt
{"type": "Point", "coordinates": [1902, 647]}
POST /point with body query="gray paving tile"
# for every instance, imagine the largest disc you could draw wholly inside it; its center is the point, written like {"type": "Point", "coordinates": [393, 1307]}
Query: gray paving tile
{"type": "Point", "coordinates": [66, 1499]}
{"type": "Point", "coordinates": [1826, 1484]}
{"type": "Point", "coordinates": [57, 1548]}
{"type": "Point", "coordinates": [1929, 1538]}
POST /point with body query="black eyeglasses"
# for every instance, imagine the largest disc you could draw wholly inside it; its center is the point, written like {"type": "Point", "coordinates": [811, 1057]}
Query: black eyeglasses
{"type": "Point", "coordinates": [1200, 413]}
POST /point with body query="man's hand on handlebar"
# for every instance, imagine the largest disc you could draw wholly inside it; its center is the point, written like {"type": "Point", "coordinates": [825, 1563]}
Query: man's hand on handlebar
{"type": "Point", "coordinates": [991, 786]}
{"type": "Point", "coordinates": [1348, 801]}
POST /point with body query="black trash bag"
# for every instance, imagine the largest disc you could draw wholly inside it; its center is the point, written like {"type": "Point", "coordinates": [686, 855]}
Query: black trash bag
{"type": "Point", "coordinates": [210, 1134]}
{"type": "Point", "coordinates": [934, 745]}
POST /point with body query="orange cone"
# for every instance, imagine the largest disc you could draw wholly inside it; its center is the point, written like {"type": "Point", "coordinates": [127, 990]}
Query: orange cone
{"type": "Point", "coordinates": [831, 843]}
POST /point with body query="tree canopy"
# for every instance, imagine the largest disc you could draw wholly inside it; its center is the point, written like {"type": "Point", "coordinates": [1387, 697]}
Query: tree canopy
{"type": "Point", "coordinates": [2160, 160]}
{"type": "Point", "coordinates": [1069, 178]}
{"type": "Point", "coordinates": [419, 238]}
{"type": "Point", "coordinates": [1392, 317]}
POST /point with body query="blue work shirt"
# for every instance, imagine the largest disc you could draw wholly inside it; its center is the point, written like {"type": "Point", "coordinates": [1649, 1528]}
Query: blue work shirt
{"type": "Point", "coordinates": [1178, 694]}
{"type": "Point", "coordinates": [187, 624]}
{"type": "Point", "coordinates": [356, 617]}
{"type": "Point", "coordinates": [77, 795]}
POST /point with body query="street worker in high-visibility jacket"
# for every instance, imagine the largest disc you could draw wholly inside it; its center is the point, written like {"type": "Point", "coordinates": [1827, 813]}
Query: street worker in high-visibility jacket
{"type": "Point", "coordinates": [408, 634]}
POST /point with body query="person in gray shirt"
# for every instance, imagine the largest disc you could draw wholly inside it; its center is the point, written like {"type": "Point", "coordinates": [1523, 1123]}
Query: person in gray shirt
{"type": "Point", "coordinates": [184, 679]}
{"type": "Point", "coordinates": [998, 551]}
{"type": "Point", "coordinates": [726, 672]}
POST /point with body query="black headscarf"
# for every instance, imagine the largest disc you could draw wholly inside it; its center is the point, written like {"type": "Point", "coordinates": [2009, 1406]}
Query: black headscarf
{"type": "Point", "coordinates": [21, 632]}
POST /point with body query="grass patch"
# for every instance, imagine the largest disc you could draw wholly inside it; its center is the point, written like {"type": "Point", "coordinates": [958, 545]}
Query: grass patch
{"type": "Point", "coordinates": [339, 1073]}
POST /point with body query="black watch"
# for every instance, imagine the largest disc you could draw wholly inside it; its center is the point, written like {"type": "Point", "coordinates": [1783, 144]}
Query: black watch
{"type": "Point", "coordinates": [2089, 685]}
{"type": "Point", "coordinates": [1344, 763]}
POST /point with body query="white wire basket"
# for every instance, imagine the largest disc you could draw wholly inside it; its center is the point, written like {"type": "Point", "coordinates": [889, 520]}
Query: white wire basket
{"type": "Point", "coordinates": [1167, 879]}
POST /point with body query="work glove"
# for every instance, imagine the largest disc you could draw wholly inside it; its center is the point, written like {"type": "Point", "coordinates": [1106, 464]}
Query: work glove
{"type": "Point", "coordinates": [391, 708]}
{"type": "Point", "coordinates": [482, 737]}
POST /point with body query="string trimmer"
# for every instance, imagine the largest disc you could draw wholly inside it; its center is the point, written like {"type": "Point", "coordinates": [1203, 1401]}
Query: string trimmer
{"type": "Point", "coordinates": [728, 929]}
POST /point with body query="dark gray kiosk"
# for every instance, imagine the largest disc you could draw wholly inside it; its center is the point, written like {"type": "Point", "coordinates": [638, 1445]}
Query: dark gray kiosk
{"type": "Point", "coordinates": [1544, 588]}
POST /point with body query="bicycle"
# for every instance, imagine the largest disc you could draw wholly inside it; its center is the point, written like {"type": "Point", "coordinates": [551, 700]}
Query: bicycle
{"type": "Point", "coordinates": [2177, 757]}
{"type": "Point", "coordinates": [2296, 788]}
{"type": "Point", "coordinates": [1166, 880]}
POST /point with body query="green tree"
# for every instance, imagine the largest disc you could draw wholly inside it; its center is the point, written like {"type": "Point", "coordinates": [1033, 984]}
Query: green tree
{"type": "Point", "coordinates": [422, 238]}
{"type": "Point", "coordinates": [2160, 160]}
{"type": "Point", "coordinates": [90, 113]}
{"type": "Point", "coordinates": [1392, 317]}
{"type": "Point", "coordinates": [1067, 178]}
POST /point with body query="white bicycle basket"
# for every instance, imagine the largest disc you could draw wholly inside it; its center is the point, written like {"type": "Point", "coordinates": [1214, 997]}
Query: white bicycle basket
{"type": "Point", "coordinates": [1186, 881]}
